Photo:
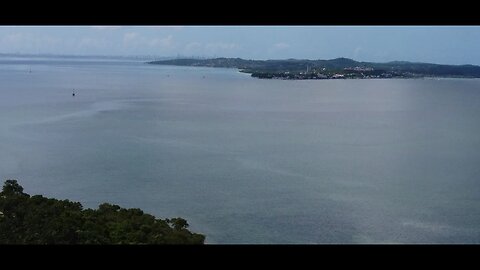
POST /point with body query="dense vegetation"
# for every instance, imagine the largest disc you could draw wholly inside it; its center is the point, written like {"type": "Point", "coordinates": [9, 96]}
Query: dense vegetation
{"type": "Point", "coordinates": [26, 219]}
{"type": "Point", "coordinates": [328, 69]}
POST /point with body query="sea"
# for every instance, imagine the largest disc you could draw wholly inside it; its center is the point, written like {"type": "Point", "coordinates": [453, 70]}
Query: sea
{"type": "Point", "coordinates": [246, 160]}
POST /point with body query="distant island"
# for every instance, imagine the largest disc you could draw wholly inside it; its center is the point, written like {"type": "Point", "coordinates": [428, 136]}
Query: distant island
{"type": "Point", "coordinates": [339, 68]}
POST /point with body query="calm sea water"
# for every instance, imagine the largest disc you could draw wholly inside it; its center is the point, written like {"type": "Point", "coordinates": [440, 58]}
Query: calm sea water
{"type": "Point", "coordinates": [247, 160]}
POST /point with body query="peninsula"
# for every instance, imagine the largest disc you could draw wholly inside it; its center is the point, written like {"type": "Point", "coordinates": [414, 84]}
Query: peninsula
{"type": "Point", "coordinates": [339, 68]}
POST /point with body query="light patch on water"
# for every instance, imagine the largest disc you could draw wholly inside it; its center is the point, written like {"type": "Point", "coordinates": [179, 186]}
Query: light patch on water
{"type": "Point", "coordinates": [250, 164]}
{"type": "Point", "coordinates": [94, 109]}
{"type": "Point", "coordinates": [431, 227]}
{"type": "Point", "coordinates": [181, 144]}
{"type": "Point", "coordinates": [346, 198]}
{"type": "Point", "coordinates": [363, 239]}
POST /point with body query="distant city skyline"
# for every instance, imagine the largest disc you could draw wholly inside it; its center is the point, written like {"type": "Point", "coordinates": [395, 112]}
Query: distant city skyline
{"type": "Point", "coordinates": [434, 44]}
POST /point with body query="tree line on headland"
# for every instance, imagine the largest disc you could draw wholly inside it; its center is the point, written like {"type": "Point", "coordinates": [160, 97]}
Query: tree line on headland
{"type": "Point", "coordinates": [26, 219]}
{"type": "Point", "coordinates": [339, 68]}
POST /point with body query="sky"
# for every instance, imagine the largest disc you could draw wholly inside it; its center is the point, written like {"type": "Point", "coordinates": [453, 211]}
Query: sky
{"type": "Point", "coordinates": [433, 44]}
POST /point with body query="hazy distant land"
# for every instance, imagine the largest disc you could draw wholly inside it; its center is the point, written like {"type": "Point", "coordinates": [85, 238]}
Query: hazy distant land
{"type": "Point", "coordinates": [339, 68]}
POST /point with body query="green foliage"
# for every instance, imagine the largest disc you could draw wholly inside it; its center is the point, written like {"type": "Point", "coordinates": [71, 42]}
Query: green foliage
{"type": "Point", "coordinates": [26, 219]}
{"type": "Point", "coordinates": [12, 187]}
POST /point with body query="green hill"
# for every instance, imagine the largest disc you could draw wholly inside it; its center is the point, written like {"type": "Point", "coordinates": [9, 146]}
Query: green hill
{"type": "Point", "coordinates": [26, 219]}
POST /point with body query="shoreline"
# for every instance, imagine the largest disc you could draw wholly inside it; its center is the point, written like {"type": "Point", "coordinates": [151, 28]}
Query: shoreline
{"type": "Point", "coordinates": [339, 68]}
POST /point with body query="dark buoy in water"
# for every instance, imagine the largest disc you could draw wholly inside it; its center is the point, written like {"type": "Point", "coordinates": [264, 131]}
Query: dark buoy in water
{"type": "Point", "coordinates": [73, 93]}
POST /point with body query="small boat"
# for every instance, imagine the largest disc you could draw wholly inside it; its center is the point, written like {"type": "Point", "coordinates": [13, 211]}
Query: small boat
{"type": "Point", "coordinates": [73, 93]}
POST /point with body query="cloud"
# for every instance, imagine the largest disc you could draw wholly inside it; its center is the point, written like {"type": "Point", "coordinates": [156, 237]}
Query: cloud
{"type": "Point", "coordinates": [356, 52]}
{"type": "Point", "coordinates": [29, 42]}
{"type": "Point", "coordinates": [88, 42]}
{"type": "Point", "coordinates": [381, 55]}
{"type": "Point", "coordinates": [129, 37]}
{"type": "Point", "coordinates": [212, 48]}
{"type": "Point", "coordinates": [281, 46]}
{"type": "Point", "coordinates": [221, 46]}
{"type": "Point", "coordinates": [135, 42]}
{"type": "Point", "coordinates": [106, 27]}
{"type": "Point", "coordinates": [193, 46]}
{"type": "Point", "coordinates": [13, 38]}
{"type": "Point", "coordinates": [274, 50]}
{"type": "Point", "coordinates": [166, 42]}
{"type": "Point", "coordinates": [170, 27]}
{"type": "Point", "coordinates": [18, 38]}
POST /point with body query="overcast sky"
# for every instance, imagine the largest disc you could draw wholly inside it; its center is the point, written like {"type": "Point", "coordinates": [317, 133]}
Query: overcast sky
{"type": "Point", "coordinates": [437, 44]}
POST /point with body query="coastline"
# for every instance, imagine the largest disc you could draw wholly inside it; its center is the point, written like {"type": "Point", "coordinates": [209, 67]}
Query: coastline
{"type": "Point", "coordinates": [339, 68]}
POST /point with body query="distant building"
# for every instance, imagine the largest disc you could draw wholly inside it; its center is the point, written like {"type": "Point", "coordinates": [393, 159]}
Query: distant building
{"type": "Point", "coordinates": [359, 69]}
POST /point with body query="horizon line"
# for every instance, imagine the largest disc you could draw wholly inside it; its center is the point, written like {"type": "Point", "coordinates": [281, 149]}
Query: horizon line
{"type": "Point", "coordinates": [210, 57]}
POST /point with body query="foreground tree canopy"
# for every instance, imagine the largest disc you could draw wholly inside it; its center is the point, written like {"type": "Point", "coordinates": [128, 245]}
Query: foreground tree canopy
{"type": "Point", "coordinates": [26, 219]}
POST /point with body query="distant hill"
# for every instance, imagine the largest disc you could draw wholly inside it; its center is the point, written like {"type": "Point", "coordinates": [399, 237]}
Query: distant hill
{"type": "Point", "coordinates": [316, 69]}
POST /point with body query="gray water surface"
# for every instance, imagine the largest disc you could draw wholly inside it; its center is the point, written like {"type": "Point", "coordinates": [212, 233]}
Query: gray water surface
{"type": "Point", "coordinates": [246, 160]}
